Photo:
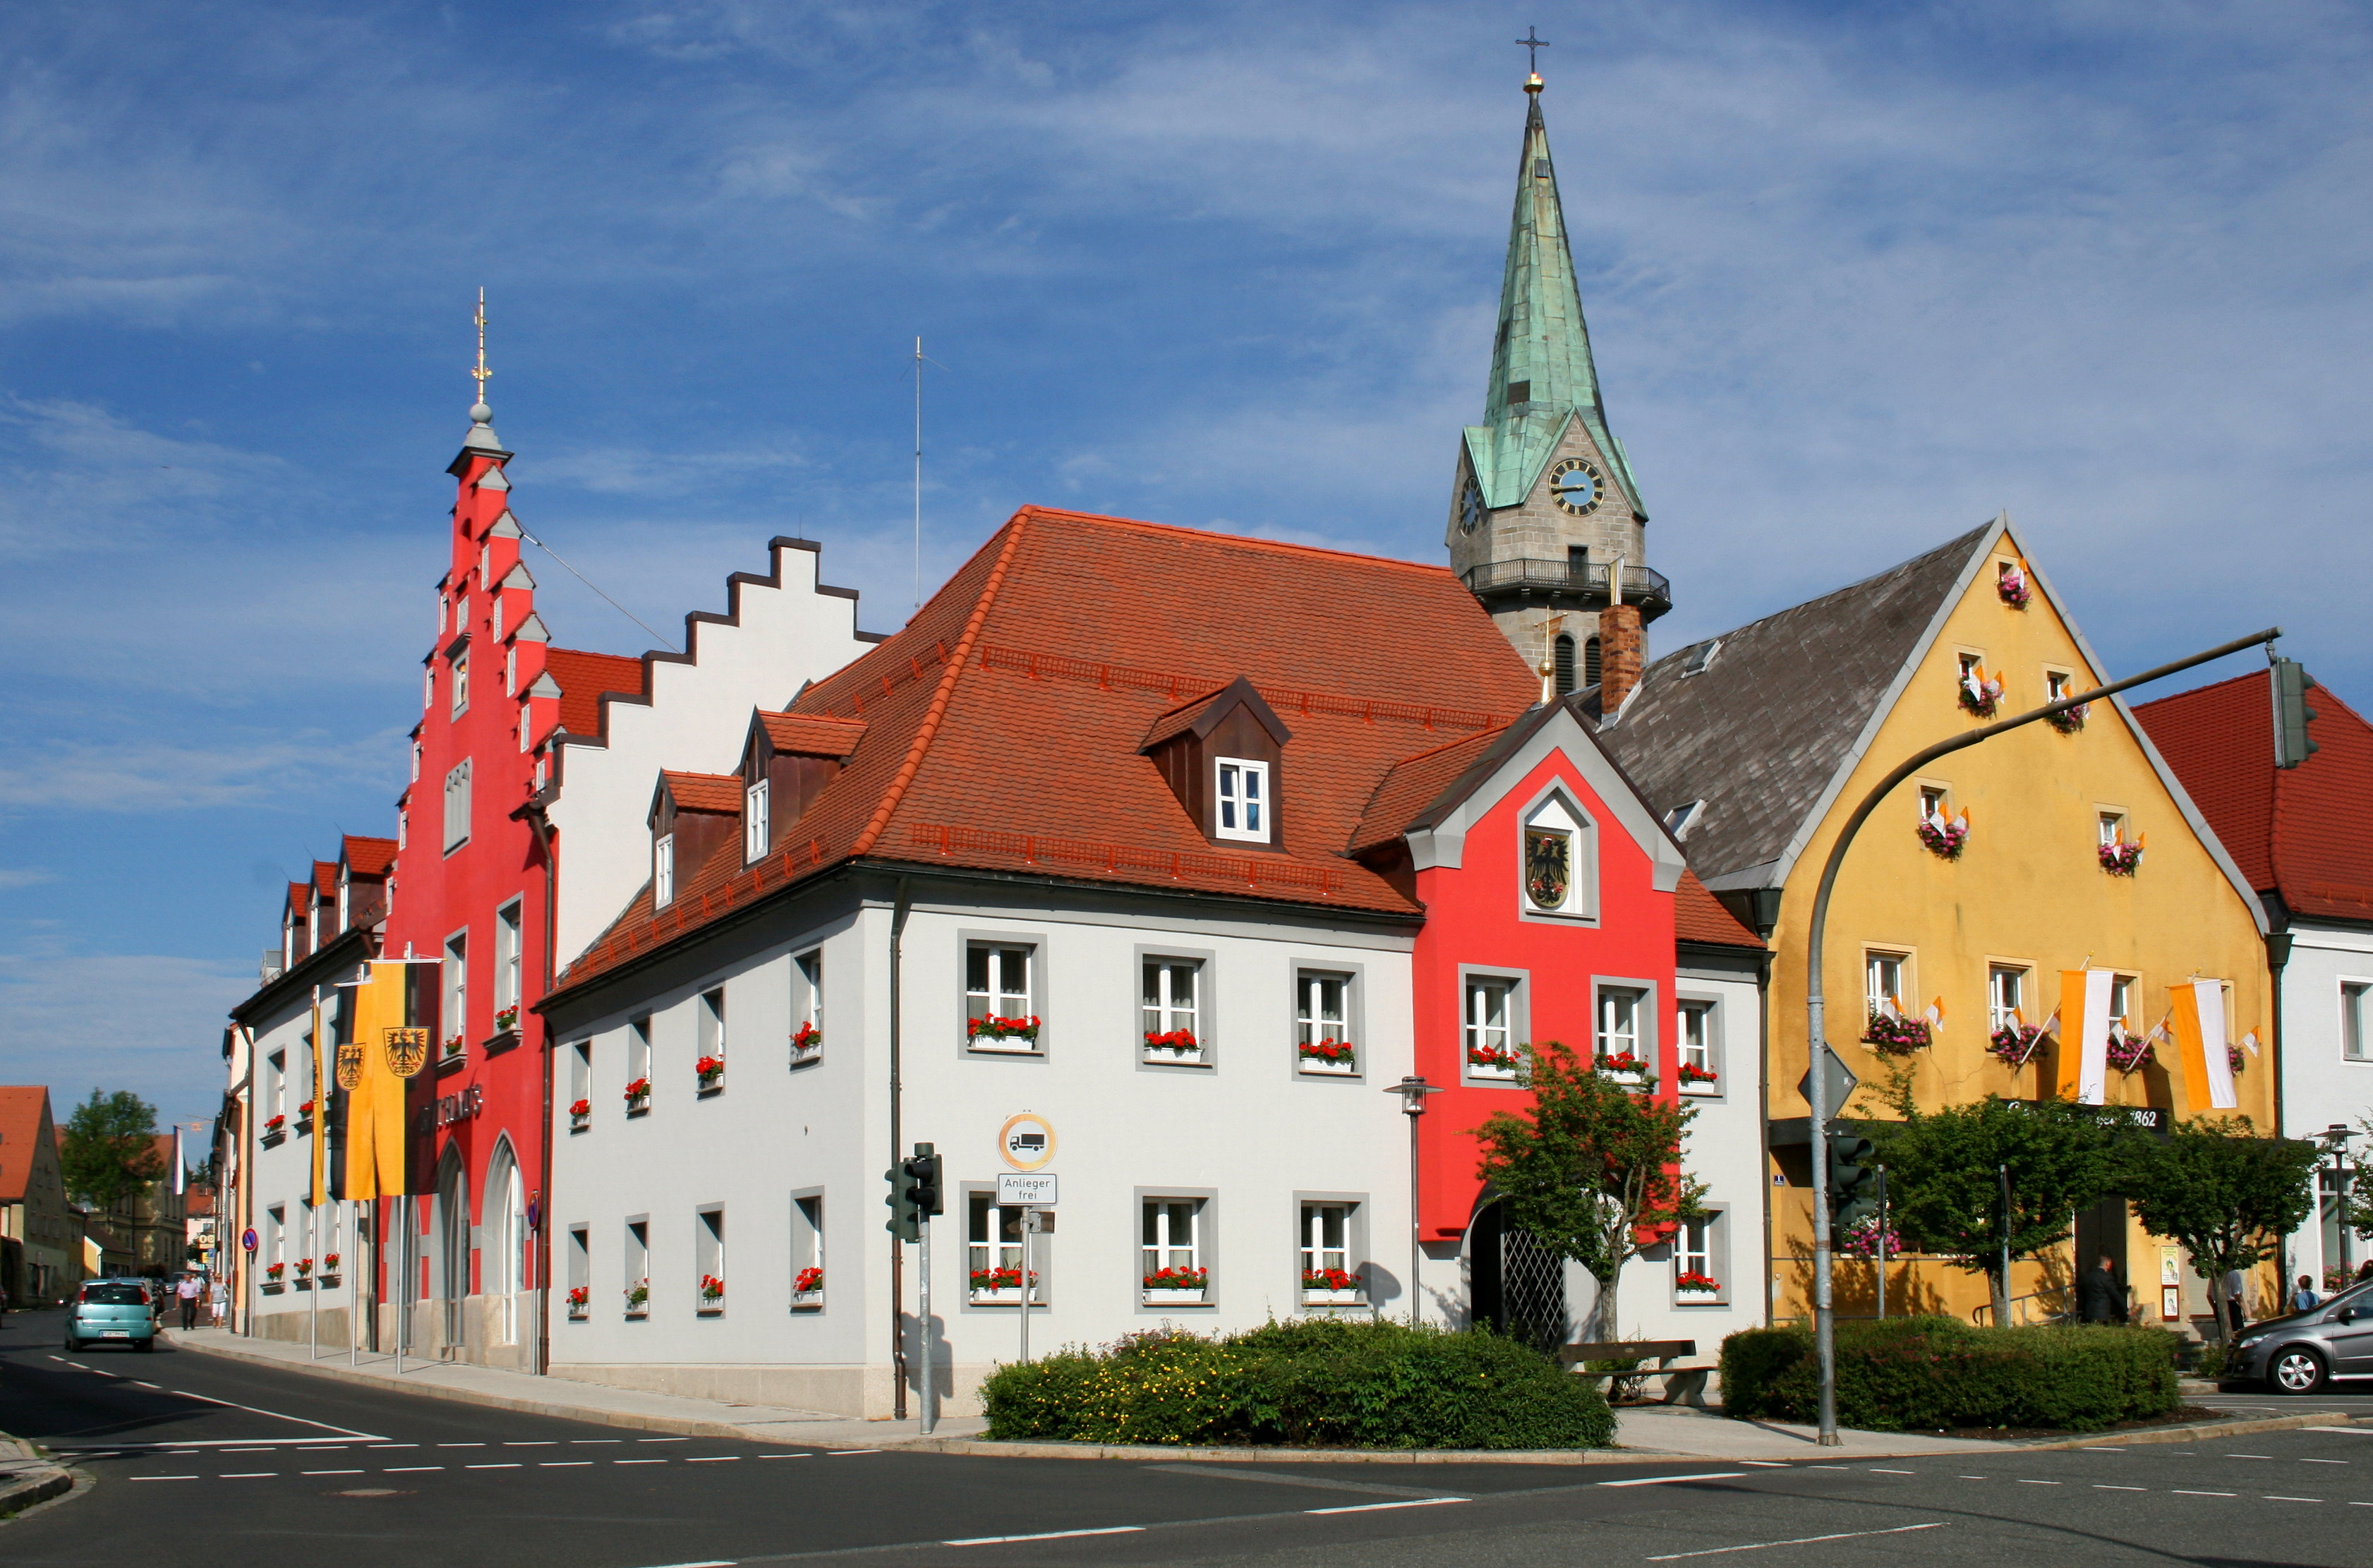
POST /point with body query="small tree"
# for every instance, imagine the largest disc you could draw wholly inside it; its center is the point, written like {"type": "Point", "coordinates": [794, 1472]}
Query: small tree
{"type": "Point", "coordinates": [2227, 1195]}
{"type": "Point", "coordinates": [110, 1150]}
{"type": "Point", "coordinates": [1945, 1175]}
{"type": "Point", "coordinates": [1594, 1167]}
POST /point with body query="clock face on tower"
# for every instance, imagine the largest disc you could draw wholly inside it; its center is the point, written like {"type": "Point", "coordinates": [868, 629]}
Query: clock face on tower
{"type": "Point", "coordinates": [1576, 487]}
{"type": "Point", "coordinates": [1470, 506]}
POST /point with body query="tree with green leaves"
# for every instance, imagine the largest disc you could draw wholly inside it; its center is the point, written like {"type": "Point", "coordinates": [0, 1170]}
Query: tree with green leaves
{"type": "Point", "coordinates": [109, 1151]}
{"type": "Point", "coordinates": [1594, 1167]}
{"type": "Point", "coordinates": [2227, 1193]}
{"type": "Point", "coordinates": [1945, 1170]}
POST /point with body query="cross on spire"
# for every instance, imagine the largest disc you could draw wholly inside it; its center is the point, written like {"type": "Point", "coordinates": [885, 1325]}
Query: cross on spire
{"type": "Point", "coordinates": [1532, 46]}
{"type": "Point", "coordinates": [481, 372]}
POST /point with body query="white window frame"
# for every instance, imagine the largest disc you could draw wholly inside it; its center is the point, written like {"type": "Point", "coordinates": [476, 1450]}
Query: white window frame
{"type": "Point", "coordinates": [1703, 1245]}
{"type": "Point", "coordinates": [461, 683]}
{"type": "Point", "coordinates": [1700, 1021]}
{"type": "Point", "coordinates": [1316, 1021]}
{"type": "Point", "coordinates": [510, 954]}
{"type": "Point", "coordinates": [2110, 826]}
{"type": "Point", "coordinates": [709, 1024]}
{"type": "Point", "coordinates": [638, 1055]}
{"type": "Point", "coordinates": [1316, 1253]}
{"type": "Point", "coordinates": [1935, 803]}
{"type": "Point", "coordinates": [755, 823]}
{"type": "Point", "coordinates": [993, 1240]}
{"type": "Point", "coordinates": [1477, 989]}
{"type": "Point", "coordinates": [662, 870]}
{"type": "Point", "coordinates": [807, 1243]}
{"type": "Point", "coordinates": [1162, 979]}
{"type": "Point", "coordinates": [1619, 1024]}
{"type": "Point", "coordinates": [457, 805]}
{"type": "Point", "coordinates": [2356, 1020]}
{"type": "Point", "coordinates": [999, 955]}
{"type": "Point", "coordinates": [454, 1014]}
{"type": "Point", "coordinates": [1243, 807]}
{"type": "Point", "coordinates": [636, 1259]}
{"type": "Point", "coordinates": [1876, 961]}
{"type": "Point", "coordinates": [1159, 1246]}
{"type": "Point", "coordinates": [2006, 996]}
{"type": "Point", "coordinates": [2123, 989]}
{"type": "Point", "coordinates": [708, 1256]}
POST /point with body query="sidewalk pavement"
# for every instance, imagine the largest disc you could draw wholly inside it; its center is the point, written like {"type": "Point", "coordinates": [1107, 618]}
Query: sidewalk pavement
{"type": "Point", "coordinates": [26, 1478]}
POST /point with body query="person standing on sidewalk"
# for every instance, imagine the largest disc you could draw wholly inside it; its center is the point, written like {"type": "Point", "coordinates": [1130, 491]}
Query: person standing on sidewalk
{"type": "Point", "coordinates": [188, 1293]}
{"type": "Point", "coordinates": [221, 1301]}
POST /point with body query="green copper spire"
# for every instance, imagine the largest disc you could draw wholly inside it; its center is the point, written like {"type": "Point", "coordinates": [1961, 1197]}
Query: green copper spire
{"type": "Point", "coordinates": [1541, 374]}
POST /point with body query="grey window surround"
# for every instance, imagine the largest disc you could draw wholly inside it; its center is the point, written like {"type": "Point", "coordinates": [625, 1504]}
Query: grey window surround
{"type": "Point", "coordinates": [1355, 1017]}
{"type": "Point", "coordinates": [1586, 858]}
{"type": "Point", "coordinates": [1207, 968]}
{"type": "Point", "coordinates": [804, 994]}
{"type": "Point", "coordinates": [809, 1243]}
{"type": "Point", "coordinates": [1717, 1260]}
{"type": "Point", "coordinates": [1356, 1242]}
{"type": "Point", "coordinates": [1650, 1014]}
{"type": "Point", "coordinates": [1042, 1255]}
{"type": "Point", "coordinates": [1717, 1054]}
{"type": "Point", "coordinates": [1207, 1244]}
{"type": "Point", "coordinates": [1036, 942]}
{"type": "Point", "coordinates": [1520, 1017]}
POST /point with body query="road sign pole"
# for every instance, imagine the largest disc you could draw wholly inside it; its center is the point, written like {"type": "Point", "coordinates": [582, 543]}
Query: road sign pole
{"type": "Point", "coordinates": [1882, 1241]}
{"type": "Point", "coordinates": [1029, 1224]}
{"type": "Point", "coordinates": [923, 1306]}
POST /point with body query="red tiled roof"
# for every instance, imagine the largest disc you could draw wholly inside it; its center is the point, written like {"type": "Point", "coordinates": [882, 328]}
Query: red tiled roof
{"type": "Point", "coordinates": [583, 678]}
{"type": "Point", "coordinates": [369, 857]}
{"type": "Point", "coordinates": [1414, 783]}
{"type": "Point", "coordinates": [2295, 832]}
{"type": "Point", "coordinates": [1699, 915]}
{"type": "Point", "coordinates": [301, 897]}
{"type": "Point", "coordinates": [805, 735]}
{"type": "Point", "coordinates": [21, 1133]}
{"type": "Point", "coordinates": [1179, 720]}
{"type": "Point", "coordinates": [325, 879]}
{"type": "Point", "coordinates": [1005, 720]}
{"type": "Point", "coordinates": [705, 792]}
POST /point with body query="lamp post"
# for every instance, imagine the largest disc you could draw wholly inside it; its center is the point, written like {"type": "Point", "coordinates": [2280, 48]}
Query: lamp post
{"type": "Point", "coordinates": [1413, 1089]}
{"type": "Point", "coordinates": [2335, 1143]}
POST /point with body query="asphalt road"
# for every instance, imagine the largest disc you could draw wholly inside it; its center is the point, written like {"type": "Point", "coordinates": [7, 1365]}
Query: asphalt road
{"type": "Point", "coordinates": [200, 1460]}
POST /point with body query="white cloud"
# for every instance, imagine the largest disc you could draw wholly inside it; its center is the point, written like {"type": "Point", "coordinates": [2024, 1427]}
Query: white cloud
{"type": "Point", "coordinates": [246, 768]}
{"type": "Point", "coordinates": [25, 876]}
{"type": "Point", "coordinates": [150, 1024]}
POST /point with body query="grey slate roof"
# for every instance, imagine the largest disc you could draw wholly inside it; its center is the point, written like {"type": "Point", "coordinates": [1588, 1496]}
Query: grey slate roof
{"type": "Point", "coordinates": [1763, 731]}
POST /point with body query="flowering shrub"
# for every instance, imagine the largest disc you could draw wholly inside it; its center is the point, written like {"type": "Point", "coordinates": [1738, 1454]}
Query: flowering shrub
{"type": "Point", "coordinates": [580, 1109]}
{"type": "Point", "coordinates": [1501, 1057]}
{"type": "Point", "coordinates": [507, 1019]}
{"type": "Point", "coordinates": [304, 1266]}
{"type": "Point", "coordinates": [640, 1089]}
{"type": "Point", "coordinates": [807, 1038]}
{"type": "Point", "coordinates": [1183, 1041]}
{"type": "Point", "coordinates": [1329, 1279]}
{"type": "Point", "coordinates": [1621, 1062]}
{"type": "Point", "coordinates": [1690, 1279]}
{"type": "Point", "coordinates": [1980, 693]}
{"type": "Point", "coordinates": [1178, 1279]}
{"type": "Point", "coordinates": [2011, 584]}
{"type": "Point", "coordinates": [2128, 1053]}
{"type": "Point", "coordinates": [1943, 836]}
{"type": "Point", "coordinates": [1896, 1034]}
{"type": "Point", "coordinates": [2014, 1043]}
{"type": "Point", "coordinates": [579, 1297]}
{"type": "Point", "coordinates": [1329, 1050]}
{"type": "Point", "coordinates": [809, 1281]}
{"type": "Point", "coordinates": [992, 1027]}
{"type": "Point", "coordinates": [2119, 858]}
{"type": "Point", "coordinates": [2068, 720]}
{"type": "Point", "coordinates": [638, 1296]}
{"type": "Point", "coordinates": [999, 1280]}
{"type": "Point", "coordinates": [273, 1270]}
{"type": "Point", "coordinates": [1692, 1073]}
{"type": "Point", "coordinates": [712, 1290]}
{"type": "Point", "coordinates": [708, 1069]}
{"type": "Point", "coordinates": [1861, 1239]}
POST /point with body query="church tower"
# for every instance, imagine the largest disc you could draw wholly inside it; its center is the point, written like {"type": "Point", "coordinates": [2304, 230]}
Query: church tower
{"type": "Point", "coordinates": [1544, 507]}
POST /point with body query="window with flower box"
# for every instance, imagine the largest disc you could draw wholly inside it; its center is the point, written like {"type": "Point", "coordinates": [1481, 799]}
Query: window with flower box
{"type": "Point", "coordinates": [1169, 1012]}
{"type": "Point", "coordinates": [580, 1273]}
{"type": "Point", "coordinates": [1325, 1035]}
{"type": "Point", "coordinates": [708, 1260]}
{"type": "Point", "coordinates": [709, 1064]}
{"type": "Point", "coordinates": [1627, 1037]}
{"type": "Point", "coordinates": [1172, 1267]}
{"type": "Point", "coordinates": [638, 1066]}
{"type": "Point", "coordinates": [1887, 1028]}
{"type": "Point", "coordinates": [1494, 1025]}
{"type": "Point", "coordinates": [807, 1007]}
{"type": "Point", "coordinates": [1332, 1255]}
{"type": "Point", "coordinates": [1001, 1009]}
{"type": "Point", "coordinates": [637, 1257]}
{"type": "Point", "coordinates": [1700, 1259]}
{"type": "Point", "coordinates": [2120, 853]}
{"type": "Point", "coordinates": [807, 1250]}
{"type": "Point", "coordinates": [993, 1253]}
{"type": "Point", "coordinates": [275, 1093]}
{"type": "Point", "coordinates": [580, 1086]}
{"type": "Point", "coordinates": [454, 1006]}
{"type": "Point", "coordinates": [1701, 1047]}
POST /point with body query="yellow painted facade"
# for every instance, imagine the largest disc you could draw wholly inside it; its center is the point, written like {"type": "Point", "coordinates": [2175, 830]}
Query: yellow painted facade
{"type": "Point", "coordinates": [2027, 894]}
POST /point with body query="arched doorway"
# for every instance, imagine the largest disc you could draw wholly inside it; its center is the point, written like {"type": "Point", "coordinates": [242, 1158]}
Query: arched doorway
{"type": "Point", "coordinates": [506, 1257]}
{"type": "Point", "coordinates": [1519, 1285]}
{"type": "Point", "coordinates": [452, 1246]}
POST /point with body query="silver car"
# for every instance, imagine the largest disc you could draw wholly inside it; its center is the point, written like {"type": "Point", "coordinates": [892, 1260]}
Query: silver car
{"type": "Point", "coordinates": [2301, 1351]}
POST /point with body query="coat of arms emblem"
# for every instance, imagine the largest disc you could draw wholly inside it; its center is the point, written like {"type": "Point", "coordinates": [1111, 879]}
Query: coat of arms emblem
{"type": "Point", "coordinates": [407, 1050]}
{"type": "Point", "coordinates": [350, 1065]}
{"type": "Point", "coordinates": [1548, 867]}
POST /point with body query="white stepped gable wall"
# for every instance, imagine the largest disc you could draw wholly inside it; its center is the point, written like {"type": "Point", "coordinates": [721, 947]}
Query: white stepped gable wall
{"type": "Point", "coordinates": [782, 636]}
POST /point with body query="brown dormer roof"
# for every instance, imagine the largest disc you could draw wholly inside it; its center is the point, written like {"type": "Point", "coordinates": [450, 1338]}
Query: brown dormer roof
{"type": "Point", "coordinates": [719, 792]}
{"type": "Point", "coordinates": [1203, 715]}
{"type": "Point", "coordinates": [803, 734]}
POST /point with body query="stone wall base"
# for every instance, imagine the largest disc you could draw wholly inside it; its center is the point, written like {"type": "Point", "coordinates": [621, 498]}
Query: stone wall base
{"type": "Point", "coordinates": [843, 1389]}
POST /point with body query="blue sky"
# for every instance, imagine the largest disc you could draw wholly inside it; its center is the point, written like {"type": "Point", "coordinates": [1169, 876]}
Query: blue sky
{"type": "Point", "coordinates": [1858, 277]}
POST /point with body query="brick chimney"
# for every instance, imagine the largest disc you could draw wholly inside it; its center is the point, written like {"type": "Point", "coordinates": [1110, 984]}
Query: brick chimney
{"type": "Point", "coordinates": [1618, 656]}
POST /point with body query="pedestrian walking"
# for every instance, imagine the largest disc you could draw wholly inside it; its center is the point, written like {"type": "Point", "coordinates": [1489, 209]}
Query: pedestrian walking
{"type": "Point", "coordinates": [221, 1301]}
{"type": "Point", "coordinates": [2304, 1299]}
{"type": "Point", "coordinates": [2099, 1297]}
{"type": "Point", "coordinates": [188, 1293]}
{"type": "Point", "coordinates": [2236, 1291]}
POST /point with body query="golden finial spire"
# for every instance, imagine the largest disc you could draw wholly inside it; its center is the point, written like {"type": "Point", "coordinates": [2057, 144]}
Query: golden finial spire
{"type": "Point", "coordinates": [481, 413]}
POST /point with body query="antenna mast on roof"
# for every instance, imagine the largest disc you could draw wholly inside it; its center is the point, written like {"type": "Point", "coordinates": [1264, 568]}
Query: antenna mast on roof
{"type": "Point", "coordinates": [918, 474]}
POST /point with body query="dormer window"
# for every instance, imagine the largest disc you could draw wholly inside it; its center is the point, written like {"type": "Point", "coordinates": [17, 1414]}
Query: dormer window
{"type": "Point", "coordinates": [460, 685]}
{"type": "Point", "coordinates": [1241, 800]}
{"type": "Point", "coordinates": [755, 839]}
{"type": "Point", "coordinates": [664, 871]}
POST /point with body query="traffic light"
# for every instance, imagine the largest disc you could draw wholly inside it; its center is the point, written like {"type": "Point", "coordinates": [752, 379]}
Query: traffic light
{"type": "Point", "coordinates": [2292, 682]}
{"type": "Point", "coordinates": [905, 1216]}
{"type": "Point", "coordinates": [923, 1175]}
{"type": "Point", "coordinates": [1853, 1186]}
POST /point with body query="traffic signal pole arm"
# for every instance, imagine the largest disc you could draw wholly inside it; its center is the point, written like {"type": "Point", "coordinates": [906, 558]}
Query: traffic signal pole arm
{"type": "Point", "coordinates": [1816, 1081]}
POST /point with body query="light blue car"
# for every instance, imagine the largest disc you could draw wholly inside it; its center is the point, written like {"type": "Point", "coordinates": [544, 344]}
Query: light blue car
{"type": "Point", "coordinates": [112, 1312]}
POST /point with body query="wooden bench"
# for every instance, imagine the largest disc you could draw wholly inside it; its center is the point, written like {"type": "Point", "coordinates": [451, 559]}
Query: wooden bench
{"type": "Point", "coordinates": [1684, 1378]}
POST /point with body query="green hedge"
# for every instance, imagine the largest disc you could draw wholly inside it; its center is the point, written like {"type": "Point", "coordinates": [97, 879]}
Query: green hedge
{"type": "Point", "coordinates": [1927, 1372]}
{"type": "Point", "coordinates": [1306, 1383]}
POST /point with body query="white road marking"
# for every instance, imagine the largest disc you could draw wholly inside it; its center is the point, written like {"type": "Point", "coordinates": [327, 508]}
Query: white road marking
{"type": "Point", "coordinates": [1373, 1507]}
{"type": "Point", "coordinates": [563, 1464]}
{"type": "Point", "coordinates": [2024, 1481]}
{"type": "Point", "coordinates": [663, 1439]}
{"type": "Point", "coordinates": [715, 1460]}
{"type": "Point", "coordinates": [639, 1461]}
{"type": "Point", "coordinates": [2099, 1487]}
{"type": "Point", "coordinates": [406, 1470]}
{"type": "Point", "coordinates": [2187, 1491]}
{"type": "Point", "coordinates": [2246, 1455]}
{"type": "Point", "coordinates": [534, 1443]}
{"type": "Point", "coordinates": [1801, 1541]}
{"type": "Point", "coordinates": [511, 1466]}
{"type": "Point", "coordinates": [581, 1442]}
{"type": "Point", "coordinates": [1767, 1464]}
{"type": "Point", "coordinates": [164, 1478]}
{"type": "Point", "coordinates": [276, 1415]}
{"type": "Point", "coordinates": [383, 1447]}
{"type": "Point", "coordinates": [1717, 1475]}
{"type": "Point", "coordinates": [1051, 1534]}
{"type": "Point", "coordinates": [248, 1475]}
{"type": "Point", "coordinates": [1876, 1471]}
{"type": "Point", "coordinates": [837, 1453]}
{"type": "Point", "coordinates": [782, 1456]}
{"type": "Point", "coordinates": [2271, 1498]}
{"type": "Point", "coordinates": [461, 1446]}
{"type": "Point", "coordinates": [329, 1472]}
{"type": "Point", "coordinates": [2324, 1461]}
{"type": "Point", "coordinates": [145, 1384]}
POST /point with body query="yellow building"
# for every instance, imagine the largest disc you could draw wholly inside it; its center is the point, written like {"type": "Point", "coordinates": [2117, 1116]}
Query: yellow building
{"type": "Point", "coordinates": [1967, 894]}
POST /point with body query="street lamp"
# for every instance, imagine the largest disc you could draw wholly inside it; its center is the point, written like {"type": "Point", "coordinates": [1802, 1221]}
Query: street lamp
{"type": "Point", "coordinates": [2335, 1143]}
{"type": "Point", "coordinates": [1413, 1089]}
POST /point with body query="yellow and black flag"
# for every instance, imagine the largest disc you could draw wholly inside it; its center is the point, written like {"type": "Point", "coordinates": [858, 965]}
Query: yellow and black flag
{"type": "Point", "coordinates": [383, 1051]}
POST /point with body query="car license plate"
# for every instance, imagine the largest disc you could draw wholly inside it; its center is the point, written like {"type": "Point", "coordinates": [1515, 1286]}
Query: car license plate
{"type": "Point", "coordinates": [115, 1333]}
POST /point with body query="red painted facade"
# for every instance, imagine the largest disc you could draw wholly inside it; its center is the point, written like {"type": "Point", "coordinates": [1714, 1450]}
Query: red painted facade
{"type": "Point", "coordinates": [1475, 921]}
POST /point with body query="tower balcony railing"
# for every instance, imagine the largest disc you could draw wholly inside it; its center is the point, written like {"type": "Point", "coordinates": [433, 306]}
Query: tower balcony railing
{"type": "Point", "coordinates": [1567, 582]}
